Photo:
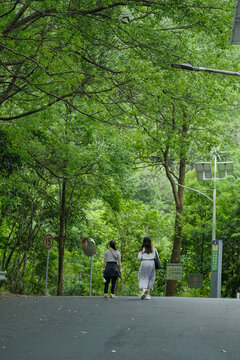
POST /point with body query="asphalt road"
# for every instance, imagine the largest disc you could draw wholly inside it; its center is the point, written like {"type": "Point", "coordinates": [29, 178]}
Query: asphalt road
{"type": "Point", "coordinates": [91, 328]}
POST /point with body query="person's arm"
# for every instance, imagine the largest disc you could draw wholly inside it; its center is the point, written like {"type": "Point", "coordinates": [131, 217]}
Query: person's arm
{"type": "Point", "coordinates": [120, 265]}
{"type": "Point", "coordinates": [140, 255]}
{"type": "Point", "coordinates": [104, 264]}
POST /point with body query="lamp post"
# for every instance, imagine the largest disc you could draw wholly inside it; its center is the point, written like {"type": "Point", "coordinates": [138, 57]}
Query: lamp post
{"type": "Point", "coordinates": [204, 172]}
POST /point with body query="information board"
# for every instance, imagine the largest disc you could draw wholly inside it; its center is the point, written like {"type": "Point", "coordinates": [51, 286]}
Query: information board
{"type": "Point", "coordinates": [195, 281]}
{"type": "Point", "coordinates": [174, 272]}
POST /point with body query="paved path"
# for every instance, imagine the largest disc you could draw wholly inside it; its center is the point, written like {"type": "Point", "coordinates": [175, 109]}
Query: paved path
{"type": "Point", "coordinates": [83, 328]}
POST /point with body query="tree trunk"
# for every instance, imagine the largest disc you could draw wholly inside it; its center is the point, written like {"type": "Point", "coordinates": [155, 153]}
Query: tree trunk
{"type": "Point", "coordinates": [61, 240]}
{"type": "Point", "coordinates": [176, 252]}
{"type": "Point", "coordinates": [7, 246]}
{"type": "Point", "coordinates": [21, 281]}
{"type": "Point", "coordinates": [178, 192]}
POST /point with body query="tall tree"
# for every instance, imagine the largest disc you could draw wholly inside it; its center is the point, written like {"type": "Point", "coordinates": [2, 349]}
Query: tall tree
{"type": "Point", "coordinates": [178, 114]}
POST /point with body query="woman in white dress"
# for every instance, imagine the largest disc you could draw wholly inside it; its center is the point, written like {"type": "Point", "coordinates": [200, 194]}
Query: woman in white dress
{"type": "Point", "coordinates": [147, 273]}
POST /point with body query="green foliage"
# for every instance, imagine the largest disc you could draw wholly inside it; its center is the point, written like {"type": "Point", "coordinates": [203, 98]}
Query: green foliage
{"type": "Point", "coordinates": [88, 95]}
{"type": "Point", "coordinates": [197, 233]}
{"type": "Point", "coordinates": [9, 158]}
{"type": "Point", "coordinates": [127, 227]}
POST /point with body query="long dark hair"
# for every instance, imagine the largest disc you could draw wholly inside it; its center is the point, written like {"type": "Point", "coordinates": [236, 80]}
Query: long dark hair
{"type": "Point", "coordinates": [113, 245]}
{"type": "Point", "coordinates": [147, 245]}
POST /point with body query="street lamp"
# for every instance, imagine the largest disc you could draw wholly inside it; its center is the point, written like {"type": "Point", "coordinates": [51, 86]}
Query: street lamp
{"type": "Point", "coordinates": [204, 172]}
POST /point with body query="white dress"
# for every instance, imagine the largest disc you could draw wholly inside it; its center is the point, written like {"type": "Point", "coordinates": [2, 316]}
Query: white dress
{"type": "Point", "coordinates": [147, 272]}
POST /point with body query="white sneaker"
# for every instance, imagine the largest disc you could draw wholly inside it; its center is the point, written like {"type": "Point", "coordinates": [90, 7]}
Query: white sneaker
{"type": "Point", "coordinates": [113, 296]}
{"type": "Point", "coordinates": [147, 297]}
{"type": "Point", "coordinates": [144, 294]}
{"type": "Point", "coordinates": [105, 296]}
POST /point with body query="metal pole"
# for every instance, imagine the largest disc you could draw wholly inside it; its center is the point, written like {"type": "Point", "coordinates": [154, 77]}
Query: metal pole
{"type": "Point", "coordinates": [165, 289]}
{"type": "Point", "coordinates": [90, 286]}
{"type": "Point", "coordinates": [182, 278]}
{"type": "Point", "coordinates": [213, 291]}
{"type": "Point", "coordinates": [182, 286]}
{"type": "Point", "coordinates": [197, 191]}
{"type": "Point", "coordinates": [214, 198]}
{"type": "Point", "coordinates": [219, 279]}
{"type": "Point", "coordinates": [198, 68]}
{"type": "Point", "coordinates": [46, 273]}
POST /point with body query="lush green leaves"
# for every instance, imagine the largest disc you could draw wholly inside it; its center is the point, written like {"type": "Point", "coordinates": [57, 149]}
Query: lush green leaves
{"type": "Point", "coordinates": [89, 98]}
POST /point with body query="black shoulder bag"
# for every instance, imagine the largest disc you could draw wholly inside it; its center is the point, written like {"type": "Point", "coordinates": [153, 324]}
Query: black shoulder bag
{"type": "Point", "coordinates": [157, 261]}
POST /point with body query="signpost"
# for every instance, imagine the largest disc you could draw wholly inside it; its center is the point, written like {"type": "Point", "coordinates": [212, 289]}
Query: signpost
{"type": "Point", "coordinates": [89, 249]}
{"type": "Point", "coordinates": [47, 244]}
{"type": "Point", "coordinates": [48, 241]}
{"type": "Point", "coordinates": [195, 281]}
{"type": "Point", "coordinates": [216, 267]}
{"type": "Point", "coordinates": [175, 272]}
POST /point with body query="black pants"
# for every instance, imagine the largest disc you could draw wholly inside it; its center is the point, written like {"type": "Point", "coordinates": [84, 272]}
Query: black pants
{"type": "Point", "coordinates": [114, 280]}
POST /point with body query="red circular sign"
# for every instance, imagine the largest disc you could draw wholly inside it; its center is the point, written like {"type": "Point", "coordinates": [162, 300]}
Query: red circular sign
{"type": "Point", "coordinates": [48, 241]}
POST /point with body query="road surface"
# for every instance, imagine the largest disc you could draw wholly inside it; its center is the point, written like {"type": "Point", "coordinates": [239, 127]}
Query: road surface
{"type": "Point", "coordinates": [91, 328]}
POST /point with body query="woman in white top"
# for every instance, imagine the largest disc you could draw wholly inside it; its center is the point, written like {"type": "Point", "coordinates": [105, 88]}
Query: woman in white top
{"type": "Point", "coordinates": [112, 258]}
{"type": "Point", "coordinates": [147, 273]}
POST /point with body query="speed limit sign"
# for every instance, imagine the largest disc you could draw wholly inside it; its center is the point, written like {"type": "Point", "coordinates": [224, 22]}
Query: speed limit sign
{"type": "Point", "coordinates": [47, 241]}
